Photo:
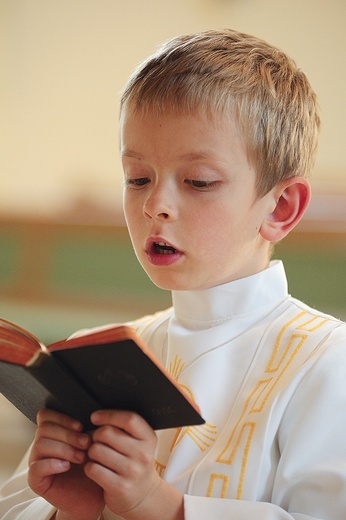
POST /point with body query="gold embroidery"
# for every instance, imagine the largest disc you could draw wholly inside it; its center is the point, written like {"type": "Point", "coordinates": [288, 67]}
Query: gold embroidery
{"type": "Point", "coordinates": [284, 352]}
{"type": "Point", "coordinates": [176, 367]}
{"type": "Point", "coordinates": [320, 321]}
{"type": "Point", "coordinates": [292, 342]}
{"type": "Point", "coordinates": [160, 468]}
{"type": "Point", "coordinates": [224, 484]}
{"type": "Point", "coordinates": [203, 435]}
{"type": "Point", "coordinates": [279, 342]}
{"type": "Point", "coordinates": [261, 387]}
{"type": "Point", "coordinates": [248, 431]}
{"type": "Point", "coordinates": [187, 391]}
{"type": "Point", "coordinates": [303, 326]}
{"type": "Point", "coordinates": [255, 404]}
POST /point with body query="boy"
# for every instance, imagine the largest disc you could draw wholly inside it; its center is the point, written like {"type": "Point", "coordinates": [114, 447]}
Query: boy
{"type": "Point", "coordinates": [218, 133]}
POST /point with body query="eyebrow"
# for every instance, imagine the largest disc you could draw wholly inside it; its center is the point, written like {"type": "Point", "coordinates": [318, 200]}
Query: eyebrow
{"type": "Point", "coordinates": [196, 156]}
{"type": "Point", "coordinates": [189, 157]}
{"type": "Point", "coordinates": [132, 154]}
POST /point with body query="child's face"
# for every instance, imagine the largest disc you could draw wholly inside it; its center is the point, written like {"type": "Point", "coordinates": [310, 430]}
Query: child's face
{"type": "Point", "coordinates": [189, 200]}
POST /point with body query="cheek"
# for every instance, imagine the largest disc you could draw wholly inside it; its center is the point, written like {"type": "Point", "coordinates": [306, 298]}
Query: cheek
{"type": "Point", "coordinates": [216, 230]}
{"type": "Point", "coordinates": [131, 208]}
{"type": "Point", "coordinates": [134, 229]}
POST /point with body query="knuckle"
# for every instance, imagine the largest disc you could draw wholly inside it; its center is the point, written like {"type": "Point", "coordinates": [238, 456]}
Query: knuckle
{"type": "Point", "coordinates": [105, 433]}
{"type": "Point", "coordinates": [132, 421]}
{"type": "Point", "coordinates": [94, 450]}
{"type": "Point", "coordinates": [145, 457]}
{"type": "Point", "coordinates": [40, 444]}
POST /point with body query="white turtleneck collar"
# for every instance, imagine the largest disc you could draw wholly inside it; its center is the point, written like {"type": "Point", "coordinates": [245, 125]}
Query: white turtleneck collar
{"type": "Point", "coordinates": [207, 308]}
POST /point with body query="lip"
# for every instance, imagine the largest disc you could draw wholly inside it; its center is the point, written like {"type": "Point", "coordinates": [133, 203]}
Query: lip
{"type": "Point", "coordinates": [161, 252]}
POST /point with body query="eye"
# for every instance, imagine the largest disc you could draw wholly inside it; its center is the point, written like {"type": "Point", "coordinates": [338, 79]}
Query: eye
{"type": "Point", "coordinates": [137, 183]}
{"type": "Point", "coordinates": [200, 184]}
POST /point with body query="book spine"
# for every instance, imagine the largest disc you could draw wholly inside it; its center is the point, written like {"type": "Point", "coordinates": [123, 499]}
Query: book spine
{"type": "Point", "coordinates": [67, 395]}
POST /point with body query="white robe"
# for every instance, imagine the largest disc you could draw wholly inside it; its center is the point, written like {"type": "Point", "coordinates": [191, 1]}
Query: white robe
{"type": "Point", "coordinates": [269, 374]}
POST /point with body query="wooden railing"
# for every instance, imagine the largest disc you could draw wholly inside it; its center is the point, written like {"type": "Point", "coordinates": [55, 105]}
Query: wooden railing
{"type": "Point", "coordinates": [52, 274]}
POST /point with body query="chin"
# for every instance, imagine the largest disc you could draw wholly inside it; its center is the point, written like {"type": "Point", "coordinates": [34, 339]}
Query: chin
{"type": "Point", "coordinates": [168, 283]}
{"type": "Point", "coordinates": [166, 286]}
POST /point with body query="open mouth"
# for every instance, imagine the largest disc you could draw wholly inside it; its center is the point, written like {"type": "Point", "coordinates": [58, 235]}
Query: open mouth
{"type": "Point", "coordinates": [161, 253]}
{"type": "Point", "coordinates": [162, 248]}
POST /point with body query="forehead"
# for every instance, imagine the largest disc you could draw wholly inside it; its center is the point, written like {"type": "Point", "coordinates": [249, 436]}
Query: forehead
{"type": "Point", "coordinates": [148, 124]}
{"type": "Point", "coordinates": [175, 138]}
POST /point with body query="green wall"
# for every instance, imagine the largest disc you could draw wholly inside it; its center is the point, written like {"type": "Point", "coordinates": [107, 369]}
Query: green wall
{"type": "Point", "coordinates": [55, 279]}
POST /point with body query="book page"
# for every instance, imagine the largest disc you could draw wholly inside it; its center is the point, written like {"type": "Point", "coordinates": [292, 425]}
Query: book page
{"type": "Point", "coordinates": [17, 345]}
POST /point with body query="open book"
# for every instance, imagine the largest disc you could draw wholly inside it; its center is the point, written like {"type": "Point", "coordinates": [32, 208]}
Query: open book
{"type": "Point", "coordinates": [111, 368]}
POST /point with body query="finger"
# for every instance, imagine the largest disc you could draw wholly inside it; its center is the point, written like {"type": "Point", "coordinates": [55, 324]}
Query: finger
{"type": "Point", "coordinates": [44, 448]}
{"type": "Point", "coordinates": [41, 473]}
{"type": "Point", "coordinates": [115, 438]}
{"type": "Point", "coordinates": [107, 456]}
{"type": "Point", "coordinates": [44, 468]}
{"type": "Point", "coordinates": [54, 431]}
{"type": "Point", "coordinates": [130, 422]}
{"type": "Point", "coordinates": [47, 415]}
{"type": "Point", "coordinates": [116, 449]}
{"type": "Point", "coordinates": [103, 476]}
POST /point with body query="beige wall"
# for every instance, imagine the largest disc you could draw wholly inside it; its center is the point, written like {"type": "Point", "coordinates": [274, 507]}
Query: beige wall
{"type": "Point", "coordinates": [63, 63]}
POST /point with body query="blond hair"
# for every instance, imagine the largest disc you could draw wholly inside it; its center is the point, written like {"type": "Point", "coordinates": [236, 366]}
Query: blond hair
{"type": "Point", "coordinates": [231, 72]}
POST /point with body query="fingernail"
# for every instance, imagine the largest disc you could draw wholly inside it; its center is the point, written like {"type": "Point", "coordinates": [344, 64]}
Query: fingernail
{"type": "Point", "coordinates": [80, 457]}
{"type": "Point", "coordinates": [63, 464]}
{"type": "Point", "coordinates": [96, 417]}
{"type": "Point", "coordinates": [83, 440]}
{"type": "Point", "coordinates": [76, 425]}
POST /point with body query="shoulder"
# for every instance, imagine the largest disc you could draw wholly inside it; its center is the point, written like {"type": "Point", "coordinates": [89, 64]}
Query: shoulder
{"type": "Point", "coordinates": [310, 320]}
{"type": "Point", "coordinates": [153, 329]}
{"type": "Point", "coordinates": [324, 338]}
{"type": "Point", "coordinates": [301, 335]}
{"type": "Point", "coordinates": [143, 326]}
{"type": "Point", "coordinates": [319, 386]}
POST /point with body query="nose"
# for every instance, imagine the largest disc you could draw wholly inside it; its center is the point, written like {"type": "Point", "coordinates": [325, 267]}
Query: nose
{"type": "Point", "coordinates": [160, 203]}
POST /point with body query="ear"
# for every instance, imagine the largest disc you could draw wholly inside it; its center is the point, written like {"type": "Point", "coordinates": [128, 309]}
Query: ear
{"type": "Point", "coordinates": [292, 197]}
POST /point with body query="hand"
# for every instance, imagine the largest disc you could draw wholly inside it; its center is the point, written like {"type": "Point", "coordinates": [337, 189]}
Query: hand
{"type": "Point", "coordinates": [56, 467]}
{"type": "Point", "coordinates": [122, 463]}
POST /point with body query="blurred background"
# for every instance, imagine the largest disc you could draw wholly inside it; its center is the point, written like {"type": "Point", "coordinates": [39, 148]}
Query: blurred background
{"type": "Point", "coordinates": [65, 258]}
